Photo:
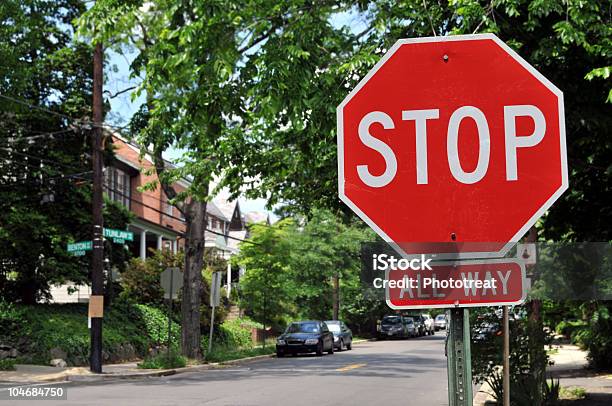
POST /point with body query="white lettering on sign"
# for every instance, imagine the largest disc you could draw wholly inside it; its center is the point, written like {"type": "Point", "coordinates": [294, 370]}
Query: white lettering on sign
{"type": "Point", "coordinates": [452, 145]}
{"type": "Point", "coordinates": [512, 142]}
{"type": "Point", "coordinates": [420, 118]}
{"type": "Point", "coordinates": [382, 148]}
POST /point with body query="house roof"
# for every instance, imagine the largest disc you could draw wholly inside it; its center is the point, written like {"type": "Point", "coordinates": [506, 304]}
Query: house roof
{"type": "Point", "coordinates": [213, 210]}
{"type": "Point", "coordinates": [257, 217]}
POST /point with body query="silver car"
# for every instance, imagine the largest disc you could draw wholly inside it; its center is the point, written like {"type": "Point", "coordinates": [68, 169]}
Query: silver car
{"type": "Point", "coordinates": [440, 322]}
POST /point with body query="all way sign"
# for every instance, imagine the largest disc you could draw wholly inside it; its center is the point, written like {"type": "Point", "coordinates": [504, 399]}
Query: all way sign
{"type": "Point", "coordinates": [491, 282]}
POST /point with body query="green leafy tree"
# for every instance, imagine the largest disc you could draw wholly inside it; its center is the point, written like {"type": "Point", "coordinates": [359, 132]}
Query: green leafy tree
{"type": "Point", "coordinates": [268, 288]}
{"type": "Point", "coordinates": [45, 91]}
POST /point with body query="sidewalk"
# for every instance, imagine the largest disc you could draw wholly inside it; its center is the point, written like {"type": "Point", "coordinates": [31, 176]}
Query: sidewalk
{"type": "Point", "coordinates": [40, 373]}
{"type": "Point", "coordinates": [570, 364]}
{"type": "Point", "coordinates": [569, 367]}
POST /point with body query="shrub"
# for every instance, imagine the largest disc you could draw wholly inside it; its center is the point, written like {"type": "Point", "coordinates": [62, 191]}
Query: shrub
{"type": "Point", "coordinates": [162, 361]}
{"type": "Point", "coordinates": [156, 325]}
{"type": "Point", "coordinates": [597, 339]}
{"type": "Point", "coordinates": [12, 323]}
{"type": "Point", "coordinates": [7, 364]}
{"type": "Point", "coordinates": [236, 333]}
{"type": "Point", "coordinates": [567, 328]}
{"type": "Point", "coordinates": [141, 279]}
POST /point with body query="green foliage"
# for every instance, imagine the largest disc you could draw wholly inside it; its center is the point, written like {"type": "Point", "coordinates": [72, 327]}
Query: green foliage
{"type": "Point", "coordinates": [156, 325]}
{"type": "Point", "coordinates": [45, 191]}
{"type": "Point", "coordinates": [597, 339]}
{"type": "Point", "coordinates": [575, 393]}
{"type": "Point", "coordinates": [44, 327]}
{"type": "Point", "coordinates": [567, 328]}
{"type": "Point", "coordinates": [12, 323]}
{"type": "Point", "coordinates": [289, 272]}
{"type": "Point", "coordinates": [7, 364]}
{"type": "Point", "coordinates": [236, 334]}
{"type": "Point", "coordinates": [140, 281]}
{"type": "Point", "coordinates": [162, 361]}
{"type": "Point", "coordinates": [222, 353]}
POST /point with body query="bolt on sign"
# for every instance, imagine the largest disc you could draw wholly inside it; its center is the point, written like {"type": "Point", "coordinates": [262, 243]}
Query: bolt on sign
{"type": "Point", "coordinates": [452, 145]}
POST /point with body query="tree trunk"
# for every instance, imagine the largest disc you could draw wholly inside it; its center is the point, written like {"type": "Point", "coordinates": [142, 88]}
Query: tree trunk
{"type": "Point", "coordinates": [195, 218]}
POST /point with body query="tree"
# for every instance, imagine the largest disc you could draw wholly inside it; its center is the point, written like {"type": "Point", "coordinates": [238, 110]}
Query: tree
{"type": "Point", "coordinates": [45, 91]}
{"type": "Point", "coordinates": [268, 287]}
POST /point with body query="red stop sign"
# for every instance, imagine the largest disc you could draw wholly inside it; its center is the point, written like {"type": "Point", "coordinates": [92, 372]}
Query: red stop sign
{"type": "Point", "coordinates": [452, 140]}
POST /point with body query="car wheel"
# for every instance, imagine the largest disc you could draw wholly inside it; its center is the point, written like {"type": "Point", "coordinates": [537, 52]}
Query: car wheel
{"type": "Point", "coordinates": [349, 346]}
{"type": "Point", "coordinates": [341, 345]}
{"type": "Point", "coordinates": [280, 354]}
{"type": "Point", "coordinates": [320, 349]}
{"type": "Point", "coordinates": [331, 348]}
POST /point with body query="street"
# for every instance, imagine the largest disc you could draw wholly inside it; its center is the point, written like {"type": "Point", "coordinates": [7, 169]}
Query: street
{"type": "Point", "coordinates": [397, 372]}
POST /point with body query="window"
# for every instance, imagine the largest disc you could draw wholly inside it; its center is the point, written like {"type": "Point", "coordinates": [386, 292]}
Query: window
{"type": "Point", "coordinates": [168, 208]}
{"type": "Point", "coordinates": [117, 184]}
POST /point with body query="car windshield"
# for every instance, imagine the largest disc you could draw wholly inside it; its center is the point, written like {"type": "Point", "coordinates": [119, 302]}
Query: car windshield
{"type": "Point", "coordinates": [440, 317]}
{"type": "Point", "coordinates": [333, 327]}
{"type": "Point", "coordinates": [391, 320]}
{"type": "Point", "coordinates": [409, 321]}
{"type": "Point", "coordinates": [308, 327]}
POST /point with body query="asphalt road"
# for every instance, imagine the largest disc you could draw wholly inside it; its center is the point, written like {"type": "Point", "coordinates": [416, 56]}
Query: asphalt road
{"type": "Point", "coordinates": [402, 372]}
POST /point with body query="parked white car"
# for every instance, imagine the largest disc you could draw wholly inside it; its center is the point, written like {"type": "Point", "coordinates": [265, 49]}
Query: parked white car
{"type": "Point", "coordinates": [440, 322]}
{"type": "Point", "coordinates": [429, 324]}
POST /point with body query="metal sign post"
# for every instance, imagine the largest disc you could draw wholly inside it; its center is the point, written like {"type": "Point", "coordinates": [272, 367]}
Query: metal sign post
{"type": "Point", "coordinates": [171, 281]}
{"type": "Point", "coordinates": [459, 359]}
{"type": "Point", "coordinates": [506, 382]}
{"type": "Point", "coordinates": [215, 297]}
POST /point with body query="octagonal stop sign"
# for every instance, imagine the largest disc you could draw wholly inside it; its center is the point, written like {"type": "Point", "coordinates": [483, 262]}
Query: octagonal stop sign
{"type": "Point", "coordinates": [453, 140]}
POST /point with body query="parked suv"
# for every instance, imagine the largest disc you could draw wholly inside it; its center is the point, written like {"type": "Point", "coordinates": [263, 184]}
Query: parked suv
{"type": "Point", "coordinates": [397, 326]}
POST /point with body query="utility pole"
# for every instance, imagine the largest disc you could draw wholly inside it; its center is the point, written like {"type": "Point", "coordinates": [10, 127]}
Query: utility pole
{"type": "Point", "coordinates": [97, 260]}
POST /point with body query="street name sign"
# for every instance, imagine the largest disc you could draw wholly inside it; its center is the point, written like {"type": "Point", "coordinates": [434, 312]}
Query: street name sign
{"type": "Point", "coordinates": [455, 141]}
{"type": "Point", "coordinates": [118, 236]}
{"type": "Point", "coordinates": [78, 248]}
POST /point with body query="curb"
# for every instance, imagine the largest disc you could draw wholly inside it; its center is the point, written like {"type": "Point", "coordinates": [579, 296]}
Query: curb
{"type": "Point", "coordinates": [66, 376]}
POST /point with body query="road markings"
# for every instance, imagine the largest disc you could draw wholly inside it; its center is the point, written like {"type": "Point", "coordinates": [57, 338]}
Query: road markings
{"type": "Point", "coordinates": [350, 367]}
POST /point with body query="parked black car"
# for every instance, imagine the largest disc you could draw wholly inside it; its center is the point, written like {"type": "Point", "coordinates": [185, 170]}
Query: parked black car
{"type": "Point", "coordinates": [305, 336]}
{"type": "Point", "coordinates": [396, 326]}
{"type": "Point", "coordinates": [343, 336]}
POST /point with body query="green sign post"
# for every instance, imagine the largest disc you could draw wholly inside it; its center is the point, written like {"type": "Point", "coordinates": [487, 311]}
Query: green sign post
{"type": "Point", "coordinates": [78, 248]}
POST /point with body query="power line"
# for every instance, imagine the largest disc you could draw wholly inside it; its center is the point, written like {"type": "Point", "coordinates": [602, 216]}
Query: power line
{"type": "Point", "coordinates": [155, 209]}
{"type": "Point", "coordinates": [86, 124]}
{"type": "Point", "coordinates": [12, 151]}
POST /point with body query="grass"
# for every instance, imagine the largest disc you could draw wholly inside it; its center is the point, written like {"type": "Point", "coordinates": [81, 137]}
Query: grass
{"type": "Point", "coordinates": [221, 354]}
{"type": "Point", "coordinates": [572, 393]}
{"type": "Point", "coordinates": [162, 361]}
{"type": "Point", "coordinates": [7, 365]}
